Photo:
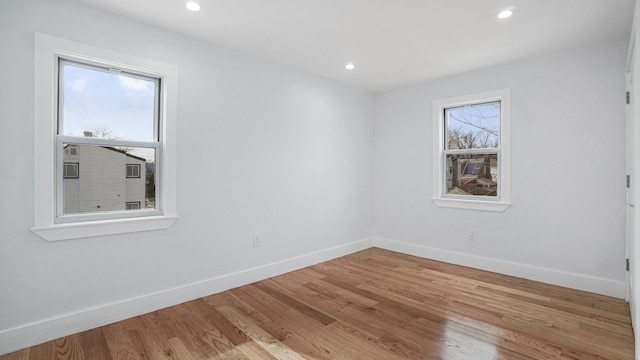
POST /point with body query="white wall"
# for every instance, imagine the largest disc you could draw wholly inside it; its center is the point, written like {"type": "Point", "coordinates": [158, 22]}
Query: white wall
{"type": "Point", "coordinates": [261, 148]}
{"type": "Point", "coordinates": [566, 224]}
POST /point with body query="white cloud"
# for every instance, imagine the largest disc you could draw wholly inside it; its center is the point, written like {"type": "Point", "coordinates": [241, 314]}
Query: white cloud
{"type": "Point", "coordinates": [78, 85]}
{"type": "Point", "coordinates": [133, 84]}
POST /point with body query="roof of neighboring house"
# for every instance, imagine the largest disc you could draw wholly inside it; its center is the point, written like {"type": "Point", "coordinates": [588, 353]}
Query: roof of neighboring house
{"type": "Point", "coordinates": [124, 152]}
{"type": "Point", "coordinates": [457, 191]}
{"type": "Point", "coordinates": [472, 167]}
{"type": "Point", "coordinates": [486, 182]}
{"type": "Point", "coordinates": [116, 150]}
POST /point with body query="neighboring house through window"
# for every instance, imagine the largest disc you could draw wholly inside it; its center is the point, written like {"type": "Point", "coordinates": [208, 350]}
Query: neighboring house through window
{"type": "Point", "coordinates": [471, 154]}
{"type": "Point", "coordinates": [111, 112]}
{"type": "Point", "coordinates": [102, 187]}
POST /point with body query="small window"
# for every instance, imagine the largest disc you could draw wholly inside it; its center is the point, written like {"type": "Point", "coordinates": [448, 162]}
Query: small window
{"type": "Point", "coordinates": [133, 170]}
{"type": "Point", "coordinates": [71, 150]}
{"type": "Point", "coordinates": [471, 161]}
{"type": "Point", "coordinates": [133, 205]}
{"type": "Point", "coordinates": [71, 170]}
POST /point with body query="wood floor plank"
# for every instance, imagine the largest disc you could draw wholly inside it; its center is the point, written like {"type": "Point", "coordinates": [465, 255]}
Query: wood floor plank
{"type": "Point", "coordinates": [280, 323]}
{"type": "Point", "coordinates": [259, 335]}
{"type": "Point", "coordinates": [121, 347]}
{"type": "Point", "coordinates": [227, 329]}
{"type": "Point", "coordinates": [373, 304]}
{"type": "Point", "coordinates": [270, 288]}
{"type": "Point", "coordinates": [42, 351]}
{"type": "Point", "coordinates": [252, 351]}
{"type": "Point", "coordinates": [306, 328]}
{"type": "Point", "coordinates": [94, 345]}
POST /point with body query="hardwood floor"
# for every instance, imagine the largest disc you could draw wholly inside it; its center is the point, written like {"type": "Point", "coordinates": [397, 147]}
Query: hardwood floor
{"type": "Point", "coordinates": [374, 304]}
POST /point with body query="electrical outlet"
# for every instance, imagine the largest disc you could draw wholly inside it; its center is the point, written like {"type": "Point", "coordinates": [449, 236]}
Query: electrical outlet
{"type": "Point", "coordinates": [473, 236]}
{"type": "Point", "coordinates": [257, 241]}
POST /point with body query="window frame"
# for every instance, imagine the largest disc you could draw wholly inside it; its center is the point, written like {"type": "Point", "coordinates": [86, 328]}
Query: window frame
{"type": "Point", "coordinates": [77, 141]}
{"type": "Point", "coordinates": [48, 153]}
{"type": "Point", "coordinates": [473, 202]}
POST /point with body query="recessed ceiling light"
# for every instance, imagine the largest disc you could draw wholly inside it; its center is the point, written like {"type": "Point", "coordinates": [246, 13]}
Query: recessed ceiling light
{"type": "Point", "coordinates": [193, 6]}
{"type": "Point", "coordinates": [505, 14]}
{"type": "Point", "coordinates": [349, 66]}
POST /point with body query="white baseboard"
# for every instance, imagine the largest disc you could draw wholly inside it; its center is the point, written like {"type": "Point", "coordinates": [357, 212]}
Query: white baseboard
{"type": "Point", "coordinates": [571, 280]}
{"type": "Point", "coordinates": [50, 329]}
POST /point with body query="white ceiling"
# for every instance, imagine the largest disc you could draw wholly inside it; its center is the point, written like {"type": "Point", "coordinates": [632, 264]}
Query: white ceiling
{"type": "Point", "coordinates": [393, 43]}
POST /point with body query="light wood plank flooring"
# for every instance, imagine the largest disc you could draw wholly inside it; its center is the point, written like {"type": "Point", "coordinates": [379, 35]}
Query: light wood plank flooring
{"type": "Point", "coordinates": [374, 304]}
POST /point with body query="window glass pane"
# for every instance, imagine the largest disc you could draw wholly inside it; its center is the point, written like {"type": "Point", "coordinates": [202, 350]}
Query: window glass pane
{"type": "Point", "coordinates": [135, 205]}
{"type": "Point", "coordinates": [103, 184]}
{"type": "Point", "coordinates": [473, 127]}
{"type": "Point", "coordinates": [133, 170]}
{"type": "Point", "coordinates": [472, 174]}
{"type": "Point", "coordinates": [70, 170]}
{"type": "Point", "coordinates": [107, 105]}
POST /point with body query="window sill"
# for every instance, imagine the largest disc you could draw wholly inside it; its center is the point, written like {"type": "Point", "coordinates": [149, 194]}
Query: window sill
{"type": "Point", "coordinates": [472, 204]}
{"type": "Point", "coordinates": [87, 229]}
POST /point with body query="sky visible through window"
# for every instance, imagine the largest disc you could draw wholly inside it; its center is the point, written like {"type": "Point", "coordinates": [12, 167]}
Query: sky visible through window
{"type": "Point", "coordinates": [473, 127]}
{"type": "Point", "coordinates": [110, 105]}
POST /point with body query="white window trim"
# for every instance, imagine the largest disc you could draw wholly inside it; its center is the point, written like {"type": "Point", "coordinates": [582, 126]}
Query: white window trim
{"type": "Point", "coordinates": [503, 201]}
{"type": "Point", "coordinates": [47, 49]}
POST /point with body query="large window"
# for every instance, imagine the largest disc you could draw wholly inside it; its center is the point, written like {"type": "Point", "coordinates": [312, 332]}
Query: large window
{"type": "Point", "coordinates": [471, 161]}
{"type": "Point", "coordinates": [100, 113]}
{"type": "Point", "coordinates": [110, 117]}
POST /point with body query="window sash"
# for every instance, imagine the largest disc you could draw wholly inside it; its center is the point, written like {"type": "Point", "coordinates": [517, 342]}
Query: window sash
{"type": "Point", "coordinates": [443, 171]}
{"type": "Point", "coordinates": [108, 69]}
{"type": "Point", "coordinates": [446, 117]}
{"type": "Point", "coordinates": [61, 217]}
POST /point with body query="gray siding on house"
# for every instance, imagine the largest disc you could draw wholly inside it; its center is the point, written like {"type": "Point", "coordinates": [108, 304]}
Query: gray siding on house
{"type": "Point", "coordinates": [102, 184]}
{"type": "Point", "coordinates": [135, 187]}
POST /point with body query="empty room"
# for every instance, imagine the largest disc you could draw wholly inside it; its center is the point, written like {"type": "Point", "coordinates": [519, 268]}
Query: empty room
{"type": "Point", "coordinates": [357, 179]}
